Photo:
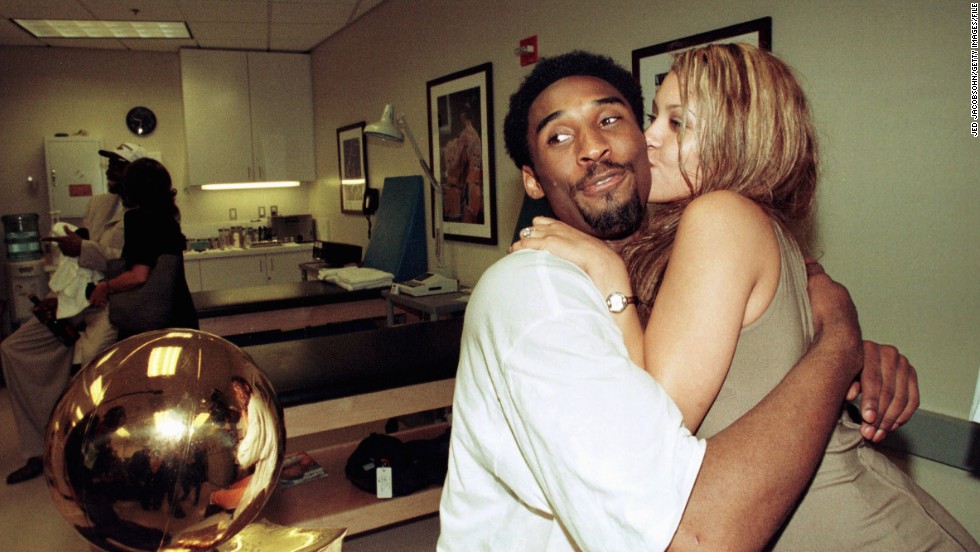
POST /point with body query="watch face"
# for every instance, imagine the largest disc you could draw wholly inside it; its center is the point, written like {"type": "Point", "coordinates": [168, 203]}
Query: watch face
{"type": "Point", "coordinates": [141, 121]}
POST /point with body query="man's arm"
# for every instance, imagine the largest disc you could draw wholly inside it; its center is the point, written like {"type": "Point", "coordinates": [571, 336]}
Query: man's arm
{"type": "Point", "coordinates": [107, 238]}
{"type": "Point", "coordinates": [755, 470]}
{"type": "Point", "coordinates": [94, 255]}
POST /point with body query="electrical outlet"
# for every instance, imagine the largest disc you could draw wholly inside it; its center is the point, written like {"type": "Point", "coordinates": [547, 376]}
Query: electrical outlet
{"type": "Point", "coordinates": [232, 214]}
{"type": "Point", "coordinates": [261, 212]}
{"type": "Point", "coordinates": [274, 210]}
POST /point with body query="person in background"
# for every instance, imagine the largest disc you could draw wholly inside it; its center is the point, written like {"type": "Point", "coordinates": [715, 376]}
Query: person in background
{"type": "Point", "coordinates": [734, 172]}
{"type": "Point", "coordinates": [560, 441]}
{"type": "Point", "coordinates": [152, 229]}
{"type": "Point", "coordinates": [36, 365]}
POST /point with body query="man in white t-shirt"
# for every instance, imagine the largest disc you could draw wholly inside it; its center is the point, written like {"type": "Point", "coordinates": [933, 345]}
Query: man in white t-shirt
{"type": "Point", "coordinates": [559, 441]}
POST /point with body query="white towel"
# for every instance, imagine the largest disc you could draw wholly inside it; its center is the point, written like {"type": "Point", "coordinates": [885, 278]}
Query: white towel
{"type": "Point", "coordinates": [70, 280]}
{"type": "Point", "coordinates": [352, 278]}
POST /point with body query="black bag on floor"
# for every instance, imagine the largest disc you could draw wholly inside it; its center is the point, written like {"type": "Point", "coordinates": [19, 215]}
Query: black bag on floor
{"type": "Point", "coordinates": [414, 464]}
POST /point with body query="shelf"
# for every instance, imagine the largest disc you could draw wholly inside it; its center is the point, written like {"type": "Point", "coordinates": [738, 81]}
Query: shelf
{"type": "Point", "coordinates": [333, 502]}
{"type": "Point", "coordinates": [314, 418]}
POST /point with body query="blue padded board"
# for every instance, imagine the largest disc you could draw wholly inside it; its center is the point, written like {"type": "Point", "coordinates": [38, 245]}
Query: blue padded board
{"type": "Point", "coordinates": [398, 242]}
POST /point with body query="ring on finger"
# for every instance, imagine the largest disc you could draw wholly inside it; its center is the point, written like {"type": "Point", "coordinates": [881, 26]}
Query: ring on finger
{"type": "Point", "coordinates": [526, 232]}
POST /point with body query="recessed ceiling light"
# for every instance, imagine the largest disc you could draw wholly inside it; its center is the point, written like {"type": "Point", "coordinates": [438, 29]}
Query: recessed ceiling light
{"type": "Point", "coordinates": [64, 28]}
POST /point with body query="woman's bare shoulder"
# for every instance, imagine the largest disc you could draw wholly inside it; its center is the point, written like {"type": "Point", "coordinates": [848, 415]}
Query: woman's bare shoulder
{"type": "Point", "coordinates": [725, 213]}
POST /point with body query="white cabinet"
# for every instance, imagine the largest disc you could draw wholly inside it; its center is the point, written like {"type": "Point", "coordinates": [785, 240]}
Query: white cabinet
{"type": "Point", "coordinates": [246, 268]}
{"type": "Point", "coordinates": [281, 94]}
{"type": "Point", "coordinates": [248, 116]}
{"type": "Point", "coordinates": [233, 272]}
{"type": "Point", "coordinates": [75, 174]}
{"type": "Point", "coordinates": [192, 273]}
{"type": "Point", "coordinates": [283, 267]}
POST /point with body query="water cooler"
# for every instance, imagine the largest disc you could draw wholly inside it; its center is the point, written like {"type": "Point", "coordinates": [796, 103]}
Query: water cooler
{"type": "Point", "coordinates": [25, 267]}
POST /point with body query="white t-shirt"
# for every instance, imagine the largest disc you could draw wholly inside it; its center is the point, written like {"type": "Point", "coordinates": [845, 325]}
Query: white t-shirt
{"type": "Point", "coordinates": [559, 441]}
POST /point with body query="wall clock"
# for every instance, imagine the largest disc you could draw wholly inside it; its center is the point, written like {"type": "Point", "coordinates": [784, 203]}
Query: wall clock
{"type": "Point", "coordinates": [141, 120]}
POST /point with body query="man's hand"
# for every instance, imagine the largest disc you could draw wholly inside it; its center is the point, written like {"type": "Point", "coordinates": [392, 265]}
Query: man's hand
{"type": "Point", "coordinates": [47, 310]}
{"type": "Point", "coordinates": [100, 294]}
{"type": "Point", "coordinates": [889, 391]}
{"type": "Point", "coordinates": [70, 244]}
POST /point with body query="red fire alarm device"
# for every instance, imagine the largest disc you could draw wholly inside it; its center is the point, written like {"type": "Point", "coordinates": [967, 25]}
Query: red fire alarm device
{"type": "Point", "coordinates": [529, 50]}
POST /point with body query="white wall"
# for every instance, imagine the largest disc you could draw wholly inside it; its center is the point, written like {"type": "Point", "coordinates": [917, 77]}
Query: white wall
{"type": "Point", "coordinates": [44, 91]}
{"type": "Point", "coordinates": [889, 84]}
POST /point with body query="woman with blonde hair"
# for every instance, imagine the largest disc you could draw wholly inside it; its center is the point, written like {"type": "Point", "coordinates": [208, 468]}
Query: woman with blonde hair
{"type": "Point", "coordinates": [720, 282]}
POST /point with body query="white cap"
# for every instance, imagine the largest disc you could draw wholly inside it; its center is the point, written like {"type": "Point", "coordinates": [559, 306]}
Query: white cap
{"type": "Point", "coordinates": [126, 152]}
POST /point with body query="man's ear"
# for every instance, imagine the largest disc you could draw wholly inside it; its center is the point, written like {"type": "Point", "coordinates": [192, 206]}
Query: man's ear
{"type": "Point", "coordinates": [531, 184]}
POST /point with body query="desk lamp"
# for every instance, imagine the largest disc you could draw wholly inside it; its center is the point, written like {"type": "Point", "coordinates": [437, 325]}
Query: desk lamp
{"type": "Point", "coordinates": [387, 129]}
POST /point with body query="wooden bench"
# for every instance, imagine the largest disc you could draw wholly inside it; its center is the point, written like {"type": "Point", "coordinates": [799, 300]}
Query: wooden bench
{"type": "Point", "coordinates": [329, 383]}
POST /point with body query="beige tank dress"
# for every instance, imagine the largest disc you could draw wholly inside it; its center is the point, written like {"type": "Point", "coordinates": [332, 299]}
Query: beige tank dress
{"type": "Point", "coordinates": [858, 499]}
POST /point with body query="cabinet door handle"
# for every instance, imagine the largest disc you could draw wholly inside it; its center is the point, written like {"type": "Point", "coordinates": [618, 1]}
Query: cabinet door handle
{"type": "Point", "coordinates": [272, 264]}
{"type": "Point", "coordinates": [261, 267]}
{"type": "Point", "coordinates": [261, 173]}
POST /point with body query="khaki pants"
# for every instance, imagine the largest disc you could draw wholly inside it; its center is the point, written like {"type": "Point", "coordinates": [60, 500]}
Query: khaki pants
{"type": "Point", "coordinates": [36, 368]}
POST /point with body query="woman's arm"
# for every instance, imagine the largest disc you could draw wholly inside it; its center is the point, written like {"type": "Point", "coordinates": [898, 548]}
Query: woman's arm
{"type": "Point", "coordinates": [725, 247]}
{"type": "Point", "coordinates": [755, 469]}
{"type": "Point", "coordinates": [134, 277]}
{"type": "Point", "coordinates": [723, 273]}
{"type": "Point", "coordinates": [888, 381]}
{"type": "Point", "coordinates": [600, 261]}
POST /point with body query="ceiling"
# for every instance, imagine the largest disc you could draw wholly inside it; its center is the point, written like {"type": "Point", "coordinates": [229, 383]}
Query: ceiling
{"type": "Point", "coordinates": [267, 25]}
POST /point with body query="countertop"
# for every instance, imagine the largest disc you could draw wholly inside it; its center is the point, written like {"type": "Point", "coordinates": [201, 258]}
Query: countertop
{"type": "Point", "coordinates": [240, 252]}
{"type": "Point", "coordinates": [243, 300]}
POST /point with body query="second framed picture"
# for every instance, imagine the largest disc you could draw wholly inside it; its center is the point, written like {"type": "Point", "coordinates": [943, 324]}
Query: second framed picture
{"type": "Point", "coordinates": [652, 63]}
{"type": "Point", "coordinates": [352, 157]}
{"type": "Point", "coordinates": [461, 150]}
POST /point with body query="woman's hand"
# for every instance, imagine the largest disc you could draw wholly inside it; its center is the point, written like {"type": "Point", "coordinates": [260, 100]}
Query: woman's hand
{"type": "Point", "coordinates": [603, 265]}
{"type": "Point", "coordinates": [590, 254]}
{"type": "Point", "coordinates": [100, 294]}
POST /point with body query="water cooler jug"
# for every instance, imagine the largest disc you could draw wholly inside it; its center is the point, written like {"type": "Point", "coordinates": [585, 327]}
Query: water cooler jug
{"type": "Point", "coordinates": [25, 267]}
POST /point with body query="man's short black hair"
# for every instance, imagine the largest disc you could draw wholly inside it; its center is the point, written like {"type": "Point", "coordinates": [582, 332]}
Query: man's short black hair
{"type": "Point", "coordinates": [547, 72]}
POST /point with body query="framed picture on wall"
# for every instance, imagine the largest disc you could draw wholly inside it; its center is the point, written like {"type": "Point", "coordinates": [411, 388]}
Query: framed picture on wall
{"type": "Point", "coordinates": [652, 63]}
{"type": "Point", "coordinates": [352, 159]}
{"type": "Point", "coordinates": [461, 151]}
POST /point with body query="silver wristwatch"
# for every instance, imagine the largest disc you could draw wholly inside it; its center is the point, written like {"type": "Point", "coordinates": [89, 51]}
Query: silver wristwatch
{"type": "Point", "coordinates": [617, 301]}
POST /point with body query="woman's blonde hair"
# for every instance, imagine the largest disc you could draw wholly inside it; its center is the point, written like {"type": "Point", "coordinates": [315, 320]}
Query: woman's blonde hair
{"type": "Point", "coordinates": [755, 137]}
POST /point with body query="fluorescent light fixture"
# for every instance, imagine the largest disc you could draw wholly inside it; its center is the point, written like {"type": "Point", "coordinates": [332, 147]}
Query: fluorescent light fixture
{"type": "Point", "coordinates": [65, 28]}
{"type": "Point", "coordinates": [251, 185]}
